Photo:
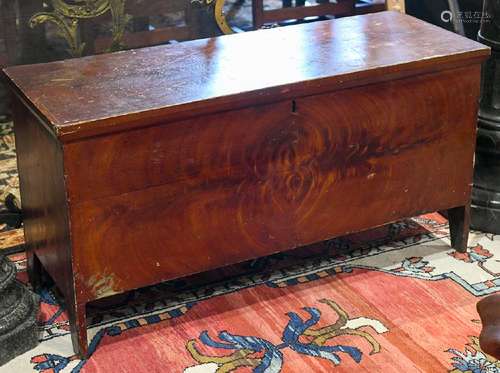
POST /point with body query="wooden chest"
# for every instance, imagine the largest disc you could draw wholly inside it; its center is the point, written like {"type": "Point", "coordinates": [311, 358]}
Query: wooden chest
{"type": "Point", "coordinates": [148, 165]}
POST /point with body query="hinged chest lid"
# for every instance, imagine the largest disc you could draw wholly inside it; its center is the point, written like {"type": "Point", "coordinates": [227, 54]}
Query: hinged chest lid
{"type": "Point", "coordinates": [107, 93]}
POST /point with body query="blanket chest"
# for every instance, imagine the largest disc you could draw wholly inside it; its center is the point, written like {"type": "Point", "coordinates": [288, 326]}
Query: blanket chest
{"type": "Point", "coordinates": [147, 165]}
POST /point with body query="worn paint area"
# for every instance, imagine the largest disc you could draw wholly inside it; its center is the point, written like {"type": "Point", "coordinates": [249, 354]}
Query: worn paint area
{"type": "Point", "coordinates": [103, 285]}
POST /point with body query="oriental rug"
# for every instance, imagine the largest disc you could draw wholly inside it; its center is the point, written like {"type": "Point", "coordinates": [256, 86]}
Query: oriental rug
{"type": "Point", "coordinates": [9, 183]}
{"type": "Point", "coordinates": [393, 299]}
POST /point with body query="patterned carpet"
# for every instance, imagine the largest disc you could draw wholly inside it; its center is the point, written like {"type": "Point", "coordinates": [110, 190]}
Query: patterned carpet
{"type": "Point", "coordinates": [394, 299]}
{"type": "Point", "coordinates": [9, 183]}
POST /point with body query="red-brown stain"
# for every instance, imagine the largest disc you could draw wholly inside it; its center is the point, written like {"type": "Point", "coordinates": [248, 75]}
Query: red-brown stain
{"type": "Point", "coordinates": [148, 165]}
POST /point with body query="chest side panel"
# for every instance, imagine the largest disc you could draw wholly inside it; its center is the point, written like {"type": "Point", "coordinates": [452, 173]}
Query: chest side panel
{"type": "Point", "coordinates": [43, 196]}
{"type": "Point", "coordinates": [189, 196]}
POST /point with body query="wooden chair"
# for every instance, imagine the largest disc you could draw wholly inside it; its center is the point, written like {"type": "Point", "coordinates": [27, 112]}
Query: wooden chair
{"type": "Point", "coordinates": [8, 32]}
{"type": "Point", "coordinates": [141, 31]}
{"type": "Point", "coordinates": [323, 8]}
{"type": "Point", "coordinates": [18, 43]}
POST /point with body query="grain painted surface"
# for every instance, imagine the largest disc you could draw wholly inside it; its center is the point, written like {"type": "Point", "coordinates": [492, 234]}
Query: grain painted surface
{"type": "Point", "coordinates": [148, 165]}
{"type": "Point", "coordinates": [106, 93]}
{"type": "Point", "coordinates": [240, 185]}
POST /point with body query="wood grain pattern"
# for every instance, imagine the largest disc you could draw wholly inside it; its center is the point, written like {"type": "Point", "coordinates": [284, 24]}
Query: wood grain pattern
{"type": "Point", "coordinates": [204, 148]}
{"type": "Point", "coordinates": [106, 93]}
{"type": "Point", "coordinates": [148, 165]}
{"type": "Point", "coordinates": [299, 173]}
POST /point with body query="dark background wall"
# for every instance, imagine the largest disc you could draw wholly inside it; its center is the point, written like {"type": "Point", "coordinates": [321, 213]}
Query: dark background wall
{"type": "Point", "coordinates": [430, 11]}
{"type": "Point", "coordinates": [31, 43]}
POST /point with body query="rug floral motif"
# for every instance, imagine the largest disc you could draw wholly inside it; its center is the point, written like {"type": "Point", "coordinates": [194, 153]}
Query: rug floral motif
{"type": "Point", "coordinates": [396, 298]}
{"type": "Point", "coordinates": [9, 183]}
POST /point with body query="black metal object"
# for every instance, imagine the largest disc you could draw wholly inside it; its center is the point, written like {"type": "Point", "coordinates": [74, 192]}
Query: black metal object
{"type": "Point", "coordinates": [12, 216]}
{"type": "Point", "coordinates": [19, 331]}
{"type": "Point", "coordinates": [4, 104]}
{"type": "Point", "coordinates": [486, 189]}
{"type": "Point", "coordinates": [461, 16]}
